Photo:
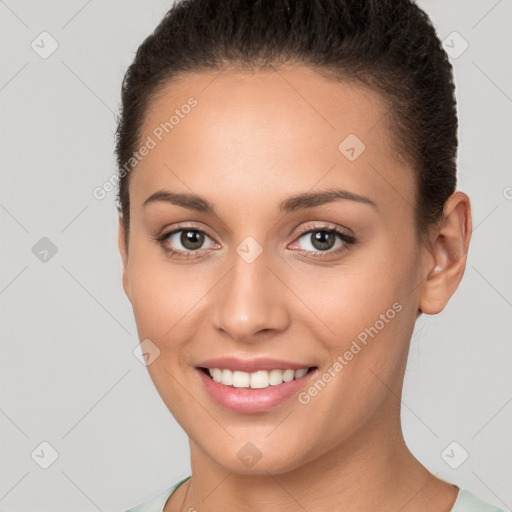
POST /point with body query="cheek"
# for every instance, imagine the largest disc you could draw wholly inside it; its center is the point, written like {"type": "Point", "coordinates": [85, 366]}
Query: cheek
{"type": "Point", "coordinates": [157, 294]}
{"type": "Point", "coordinates": [373, 281]}
{"type": "Point", "coordinates": [371, 317]}
{"type": "Point", "coordinates": [161, 298]}
{"type": "Point", "coordinates": [168, 299]}
{"type": "Point", "coordinates": [369, 308]}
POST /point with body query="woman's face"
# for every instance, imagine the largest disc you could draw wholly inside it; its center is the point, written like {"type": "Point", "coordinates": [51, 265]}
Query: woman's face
{"type": "Point", "coordinates": [260, 276]}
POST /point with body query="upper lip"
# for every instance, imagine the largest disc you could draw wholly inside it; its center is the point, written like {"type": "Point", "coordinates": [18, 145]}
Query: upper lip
{"type": "Point", "coordinates": [252, 365]}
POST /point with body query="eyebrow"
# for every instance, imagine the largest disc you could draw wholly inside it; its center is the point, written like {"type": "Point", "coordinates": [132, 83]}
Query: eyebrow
{"type": "Point", "coordinates": [291, 204]}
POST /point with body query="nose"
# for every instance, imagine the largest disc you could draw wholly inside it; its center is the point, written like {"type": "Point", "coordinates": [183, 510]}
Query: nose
{"type": "Point", "coordinates": [250, 301]}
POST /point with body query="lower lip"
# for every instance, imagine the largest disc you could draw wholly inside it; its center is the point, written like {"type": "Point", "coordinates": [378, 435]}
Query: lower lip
{"type": "Point", "coordinates": [248, 400]}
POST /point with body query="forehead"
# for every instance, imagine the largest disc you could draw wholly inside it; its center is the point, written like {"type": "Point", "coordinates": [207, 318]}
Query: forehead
{"type": "Point", "coordinates": [289, 128]}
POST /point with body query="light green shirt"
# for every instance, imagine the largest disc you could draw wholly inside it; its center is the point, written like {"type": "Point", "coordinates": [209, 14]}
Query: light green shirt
{"type": "Point", "coordinates": [465, 502]}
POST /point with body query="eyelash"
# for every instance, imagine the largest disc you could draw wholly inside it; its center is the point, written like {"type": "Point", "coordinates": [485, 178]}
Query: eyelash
{"type": "Point", "coordinates": [161, 240]}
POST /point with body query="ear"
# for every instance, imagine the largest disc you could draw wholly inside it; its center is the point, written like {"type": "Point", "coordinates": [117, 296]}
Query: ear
{"type": "Point", "coordinates": [446, 255]}
{"type": "Point", "coordinates": [123, 251]}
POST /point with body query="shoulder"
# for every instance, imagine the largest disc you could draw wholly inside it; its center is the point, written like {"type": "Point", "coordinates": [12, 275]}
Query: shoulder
{"type": "Point", "coordinates": [157, 503]}
{"type": "Point", "coordinates": [468, 502]}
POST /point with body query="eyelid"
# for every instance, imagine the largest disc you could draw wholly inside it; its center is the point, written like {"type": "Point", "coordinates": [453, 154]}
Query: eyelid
{"type": "Point", "coordinates": [324, 226]}
{"type": "Point", "coordinates": [346, 240]}
{"type": "Point", "coordinates": [161, 240]}
{"type": "Point", "coordinates": [307, 228]}
{"type": "Point", "coordinates": [166, 232]}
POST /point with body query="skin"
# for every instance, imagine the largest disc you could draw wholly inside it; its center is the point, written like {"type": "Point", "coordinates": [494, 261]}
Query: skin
{"type": "Point", "coordinates": [253, 140]}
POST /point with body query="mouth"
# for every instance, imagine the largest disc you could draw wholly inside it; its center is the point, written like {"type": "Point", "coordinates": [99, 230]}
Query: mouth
{"type": "Point", "coordinates": [259, 379]}
{"type": "Point", "coordinates": [254, 392]}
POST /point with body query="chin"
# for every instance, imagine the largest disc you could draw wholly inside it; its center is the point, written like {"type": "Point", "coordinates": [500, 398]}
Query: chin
{"type": "Point", "coordinates": [254, 458]}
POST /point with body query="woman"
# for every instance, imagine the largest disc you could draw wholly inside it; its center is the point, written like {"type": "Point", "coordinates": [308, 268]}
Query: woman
{"type": "Point", "coordinates": [287, 210]}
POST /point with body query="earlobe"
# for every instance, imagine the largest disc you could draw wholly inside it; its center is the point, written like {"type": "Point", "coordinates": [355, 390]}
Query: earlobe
{"type": "Point", "coordinates": [123, 251]}
{"type": "Point", "coordinates": [447, 254]}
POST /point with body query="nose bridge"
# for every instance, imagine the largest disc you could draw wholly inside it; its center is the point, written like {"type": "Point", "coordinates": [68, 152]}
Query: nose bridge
{"type": "Point", "coordinates": [249, 299]}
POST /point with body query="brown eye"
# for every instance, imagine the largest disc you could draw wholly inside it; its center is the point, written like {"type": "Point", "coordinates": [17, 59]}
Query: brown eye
{"type": "Point", "coordinates": [322, 240]}
{"type": "Point", "coordinates": [191, 239]}
{"type": "Point", "coordinates": [185, 242]}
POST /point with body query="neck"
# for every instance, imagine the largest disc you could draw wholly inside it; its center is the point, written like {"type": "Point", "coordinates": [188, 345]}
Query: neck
{"type": "Point", "coordinates": [372, 470]}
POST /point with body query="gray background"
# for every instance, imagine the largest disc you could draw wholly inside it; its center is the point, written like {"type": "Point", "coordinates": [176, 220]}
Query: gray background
{"type": "Point", "coordinates": [68, 373]}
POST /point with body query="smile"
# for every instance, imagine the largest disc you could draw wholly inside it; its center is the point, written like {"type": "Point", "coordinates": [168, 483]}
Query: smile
{"type": "Point", "coordinates": [255, 380]}
{"type": "Point", "coordinates": [254, 392]}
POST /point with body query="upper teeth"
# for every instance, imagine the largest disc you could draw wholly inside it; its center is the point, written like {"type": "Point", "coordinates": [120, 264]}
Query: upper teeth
{"type": "Point", "coordinates": [259, 379]}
